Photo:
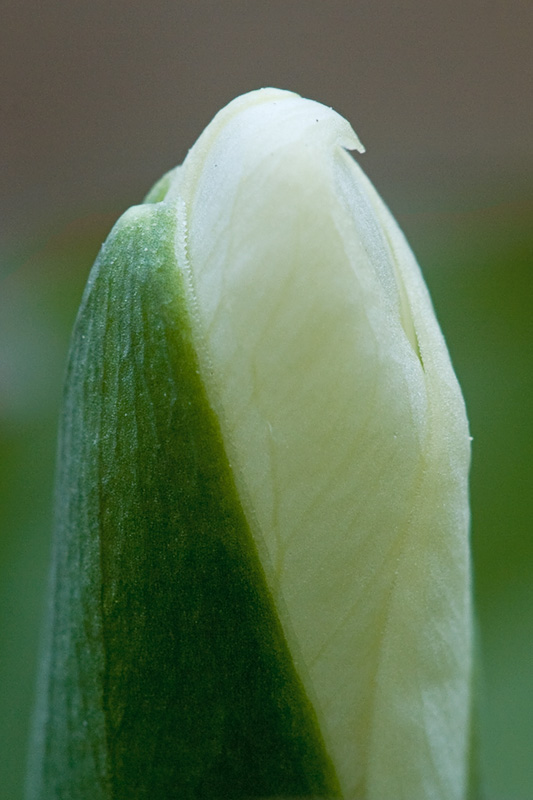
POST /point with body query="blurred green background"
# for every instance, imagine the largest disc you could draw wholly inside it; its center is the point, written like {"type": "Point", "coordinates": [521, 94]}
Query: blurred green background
{"type": "Point", "coordinates": [99, 99]}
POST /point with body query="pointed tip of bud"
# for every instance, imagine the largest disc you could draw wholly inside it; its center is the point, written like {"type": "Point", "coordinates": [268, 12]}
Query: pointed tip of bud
{"type": "Point", "coordinates": [250, 120]}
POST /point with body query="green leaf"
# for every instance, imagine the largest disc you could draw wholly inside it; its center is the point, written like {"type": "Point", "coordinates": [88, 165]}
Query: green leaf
{"type": "Point", "coordinates": [165, 672]}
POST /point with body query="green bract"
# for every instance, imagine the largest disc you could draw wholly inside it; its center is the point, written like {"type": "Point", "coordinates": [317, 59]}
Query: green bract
{"type": "Point", "coordinates": [261, 582]}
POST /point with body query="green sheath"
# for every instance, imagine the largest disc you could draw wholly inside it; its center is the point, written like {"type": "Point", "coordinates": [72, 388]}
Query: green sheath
{"type": "Point", "coordinates": [166, 673]}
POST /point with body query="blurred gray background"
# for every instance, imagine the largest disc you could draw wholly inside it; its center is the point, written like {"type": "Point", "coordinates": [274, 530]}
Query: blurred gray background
{"type": "Point", "coordinates": [98, 99]}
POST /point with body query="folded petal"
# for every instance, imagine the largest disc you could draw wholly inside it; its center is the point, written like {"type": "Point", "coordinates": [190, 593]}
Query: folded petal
{"type": "Point", "coordinates": [346, 432]}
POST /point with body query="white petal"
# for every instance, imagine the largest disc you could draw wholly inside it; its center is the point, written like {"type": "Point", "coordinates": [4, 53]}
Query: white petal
{"type": "Point", "coordinates": [345, 430]}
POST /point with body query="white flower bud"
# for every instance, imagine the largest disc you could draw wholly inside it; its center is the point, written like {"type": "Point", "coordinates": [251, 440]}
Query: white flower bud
{"type": "Point", "coordinates": [261, 582]}
{"type": "Point", "coordinates": [346, 431]}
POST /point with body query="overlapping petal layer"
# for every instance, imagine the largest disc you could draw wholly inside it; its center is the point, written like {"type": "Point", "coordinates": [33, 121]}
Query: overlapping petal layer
{"type": "Point", "coordinates": [346, 431]}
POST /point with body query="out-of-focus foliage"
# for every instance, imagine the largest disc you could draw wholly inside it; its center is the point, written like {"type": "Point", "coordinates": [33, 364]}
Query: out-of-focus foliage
{"type": "Point", "coordinates": [479, 269]}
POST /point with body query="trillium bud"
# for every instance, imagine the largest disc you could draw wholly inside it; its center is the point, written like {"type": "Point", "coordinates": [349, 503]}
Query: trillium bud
{"type": "Point", "coordinates": [261, 567]}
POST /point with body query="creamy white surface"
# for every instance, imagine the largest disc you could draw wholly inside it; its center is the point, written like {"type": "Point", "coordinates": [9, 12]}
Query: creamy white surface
{"type": "Point", "coordinates": [346, 432]}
